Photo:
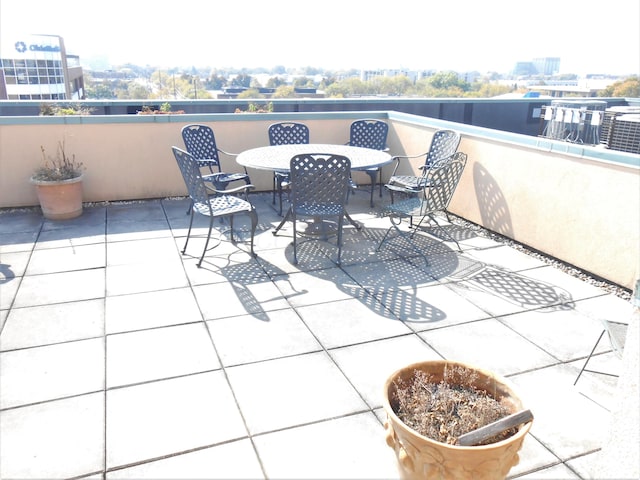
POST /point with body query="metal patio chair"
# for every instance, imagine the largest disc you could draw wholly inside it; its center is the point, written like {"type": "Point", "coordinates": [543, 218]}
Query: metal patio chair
{"type": "Point", "coordinates": [437, 189]}
{"type": "Point", "coordinates": [285, 133]}
{"type": "Point", "coordinates": [319, 188]}
{"type": "Point", "coordinates": [443, 144]}
{"type": "Point", "coordinates": [369, 133]}
{"type": "Point", "coordinates": [222, 204]}
{"type": "Point", "coordinates": [200, 142]}
{"type": "Point", "coordinates": [617, 333]}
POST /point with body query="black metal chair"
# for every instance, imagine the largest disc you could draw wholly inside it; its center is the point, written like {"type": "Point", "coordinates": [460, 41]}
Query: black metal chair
{"type": "Point", "coordinates": [437, 189]}
{"type": "Point", "coordinates": [285, 133]}
{"type": "Point", "coordinates": [369, 133]}
{"type": "Point", "coordinates": [222, 204]}
{"type": "Point", "coordinates": [200, 142]}
{"type": "Point", "coordinates": [443, 144]}
{"type": "Point", "coordinates": [319, 188]}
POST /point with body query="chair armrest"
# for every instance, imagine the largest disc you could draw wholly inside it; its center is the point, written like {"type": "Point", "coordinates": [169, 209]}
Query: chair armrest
{"type": "Point", "coordinates": [243, 188]}
{"type": "Point", "coordinates": [227, 153]}
{"type": "Point", "coordinates": [398, 158]}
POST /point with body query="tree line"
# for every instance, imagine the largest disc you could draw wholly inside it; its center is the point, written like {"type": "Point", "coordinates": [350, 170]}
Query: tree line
{"type": "Point", "coordinates": [164, 84]}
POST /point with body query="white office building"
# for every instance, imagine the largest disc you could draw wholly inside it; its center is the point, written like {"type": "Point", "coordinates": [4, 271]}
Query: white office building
{"type": "Point", "coordinates": [37, 67]}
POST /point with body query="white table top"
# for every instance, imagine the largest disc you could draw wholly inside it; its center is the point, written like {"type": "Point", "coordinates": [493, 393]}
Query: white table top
{"type": "Point", "coordinates": [277, 157]}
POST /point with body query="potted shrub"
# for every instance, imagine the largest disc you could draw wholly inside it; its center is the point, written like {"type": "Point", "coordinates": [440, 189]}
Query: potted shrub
{"type": "Point", "coordinates": [58, 183]}
{"type": "Point", "coordinates": [438, 416]}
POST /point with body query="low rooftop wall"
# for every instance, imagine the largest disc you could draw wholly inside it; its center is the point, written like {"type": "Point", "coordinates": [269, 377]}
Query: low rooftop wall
{"type": "Point", "coordinates": [576, 203]}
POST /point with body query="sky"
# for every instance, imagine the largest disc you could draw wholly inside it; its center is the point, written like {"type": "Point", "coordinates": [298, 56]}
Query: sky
{"type": "Point", "coordinates": [589, 36]}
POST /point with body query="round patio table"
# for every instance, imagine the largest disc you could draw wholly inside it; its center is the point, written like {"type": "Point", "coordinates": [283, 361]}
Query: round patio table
{"type": "Point", "coordinates": [277, 157]}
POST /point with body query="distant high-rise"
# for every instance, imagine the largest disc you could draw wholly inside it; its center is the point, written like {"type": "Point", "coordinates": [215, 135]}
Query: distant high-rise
{"type": "Point", "coordinates": [547, 65]}
{"type": "Point", "coordinates": [37, 67]}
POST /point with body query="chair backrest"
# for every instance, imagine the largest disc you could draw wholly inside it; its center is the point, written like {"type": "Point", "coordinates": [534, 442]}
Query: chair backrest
{"type": "Point", "coordinates": [369, 133]}
{"type": "Point", "coordinates": [288, 133]}
{"type": "Point", "coordinates": [443, 144]}
{"type": "Point", "coordinates": [193, 179]}
{"type": "Point", "coordinates": [201, 144]}
{"type": "Point", "coordinates": [320, 182]}
{"type": "Point", "coordinates": [441, 180]}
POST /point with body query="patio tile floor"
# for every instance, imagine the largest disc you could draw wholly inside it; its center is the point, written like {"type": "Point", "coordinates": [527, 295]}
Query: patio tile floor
{"type": "Point", "coordinates": [120, 359]}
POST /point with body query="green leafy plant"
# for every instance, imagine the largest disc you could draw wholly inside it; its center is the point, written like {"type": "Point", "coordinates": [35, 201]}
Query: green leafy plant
{"type": "Point", "coordinates": [61, 167]}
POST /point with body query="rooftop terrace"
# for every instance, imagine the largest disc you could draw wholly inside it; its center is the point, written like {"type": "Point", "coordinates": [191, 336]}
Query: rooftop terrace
{"type": "Point", "coordinates": [119, 358]}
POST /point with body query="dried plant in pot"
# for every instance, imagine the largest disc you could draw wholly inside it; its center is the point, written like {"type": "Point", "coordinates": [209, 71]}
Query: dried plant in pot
{"type": "Point", "coordinates": [58, 183]}
{"type": "Point", "coordinates": [450, 420]}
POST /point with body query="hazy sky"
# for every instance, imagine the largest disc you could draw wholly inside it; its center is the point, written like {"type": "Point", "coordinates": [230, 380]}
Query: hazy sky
{"type": "Point", "coordinates": [491, 35]}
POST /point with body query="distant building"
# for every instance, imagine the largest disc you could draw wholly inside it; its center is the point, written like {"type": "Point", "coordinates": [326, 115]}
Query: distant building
{"type": "Point", "coordinates": [37, 67]}
{"type": "Point", "coordinates": [547, 65]}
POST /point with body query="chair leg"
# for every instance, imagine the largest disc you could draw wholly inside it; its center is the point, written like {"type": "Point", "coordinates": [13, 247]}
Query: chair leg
{"type": "Point", "coordinates": [206, 244]}
{"type": "Point", "coordinates": [589, 357]}
{"type": "Point", "coordinates": [286, 217]}
{"type": "Point", "coordinates": [184, 249]}
{"type": "Point", "coordinates": [254, 224]}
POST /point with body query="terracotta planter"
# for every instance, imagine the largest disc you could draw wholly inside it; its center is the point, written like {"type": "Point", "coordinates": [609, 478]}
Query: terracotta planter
{"type": "Point", "coordinates": [60, 200]}
{"type": "Point", "coordinates": [422, 457]}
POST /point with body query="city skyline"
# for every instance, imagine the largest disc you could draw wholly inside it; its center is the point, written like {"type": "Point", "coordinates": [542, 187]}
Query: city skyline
{"type": "Point", "coordinates": [461, 35]}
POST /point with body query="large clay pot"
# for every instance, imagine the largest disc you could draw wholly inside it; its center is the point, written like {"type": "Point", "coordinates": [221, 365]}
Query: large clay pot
{"type": "Point", "coordinates": [60, 200]}
{"type": "Point", "coordinates": [420, 457]}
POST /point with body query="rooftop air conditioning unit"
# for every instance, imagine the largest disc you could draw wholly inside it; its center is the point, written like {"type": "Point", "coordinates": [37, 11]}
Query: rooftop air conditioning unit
{"type": "Point", "coordinates": [624, 133]}
{"type": "Point", "coordinates": [609, 115]}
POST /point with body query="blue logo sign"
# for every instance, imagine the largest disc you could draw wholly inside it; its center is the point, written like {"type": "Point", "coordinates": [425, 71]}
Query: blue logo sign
{"type": "Point", "coordinates": [22, 47]}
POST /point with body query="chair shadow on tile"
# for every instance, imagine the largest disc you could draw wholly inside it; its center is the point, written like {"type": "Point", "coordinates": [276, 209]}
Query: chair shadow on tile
{"type": "Point", "coordinates": [515, 288]}
{"type": "Point", "coordinates": [242, 275]}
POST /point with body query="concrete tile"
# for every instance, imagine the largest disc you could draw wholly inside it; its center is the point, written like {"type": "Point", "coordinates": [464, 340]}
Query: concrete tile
{"type": "Point", "coordinates": [237, 267]}
{"type": "Point", "coordinates": [367, 366]}
{"type": "Point", "coordinates": [378, 277]}
{"type": "Point", "coordinates": [59, 439]}
{"type": "Point", "coordinates": [13, 265]}
{"type": "Point", "coordinates": [142, 251]}
{"type": "Point", "coordinates": [317, 286]}
{"type": "Point", "coordinates": [346, 322]}
{"type": "Point", "coordinates": [66, 259]}
{"type": "Point", "coordinates": [149, 421]}
{"type": "Point", "coordinates": [487, 344]}
{"type": "Point", "coordinates": [432, 306]}
{"type": "Point", "coordinates": [222, 300]}
{"type": "Point", "coordinates": [557, 472]}
{"type": "Point", "coordinates": [501, 292]}
{"type": "Point", "coordinates": [566, 422]}
{"type": "Point", "coordinates": [137, 230]}
{"type": "Point", "coordinates": [533, 457]}
{"type": "Point", "coordinates": [135, 212]}
{"type": "Point", "coordinates": [16, 221]}
{"type": "Point", "coordinates": [551, 330]}
{"type": "Point", "coordinates": [8, 290]}
{"type": "Point", "coordinates": [504, 256]}
{"type": "Point", "coordinates": [291, 391]}
{"type": "Point", "coordinates": [159, 353]}
{"type": "Point", "coordinates": [235, 460]}
{"type": "Point", "coordinates": [49, 324]}
{"type": "Point", "coordinates": [144, 277]}
{"type": "Point", "coordinates": [16, 242]}
{"type": "Point", "coordinates": [61, 287]}
{"type": "Point", "coordinates": [72, 236]}
{"type": "Point", "coordinates": [138, 311]}
{"type": "Point", "coordinates": [45, 373]}
{"type": "Point", "coordinates": [246, 339]}
{"type": "Point", "coordinates": [349, 447]}
{"type": "Point", "coordinates": [576, 288]}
